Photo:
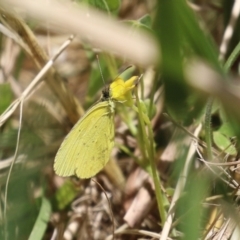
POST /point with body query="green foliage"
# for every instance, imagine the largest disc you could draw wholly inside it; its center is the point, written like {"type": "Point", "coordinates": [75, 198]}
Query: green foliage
{"type": "Point", "coordinates": [65, 195]}
{"type": "Point", "coordinates": [110, 6]}
{"type": "Point", "coordinates": [181, 38]}
{"type": "Point", "coordinates": [22, 211]}
{"type": "Point", "coordinates": [41, 221]}
{"type": "Point", "coordinates": [189, 206]}
{"type": "Point", "coordinates": [144, 23]}
{"type": "Point", "coordinates": [5, 96]}
{"type": "Point", "coordinates": [224, 143]}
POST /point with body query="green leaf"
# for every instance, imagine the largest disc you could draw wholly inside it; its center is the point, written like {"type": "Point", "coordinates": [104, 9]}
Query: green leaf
{"type": "Point", "coordinates": [227, 130]}
{"type": "Point", "coordinates": [42, 221]}
{"type": "Point", "coordinates": [224, 143]}
{"type": "Point", "coordinates": [65, 194]}
{"type": "Point", "coordinates": [144, 23]}
{"type": "Point", "coordinates": [110, 6]}
{"type": "Point", "coordinates": [5, 96]}
{"type": "Point", "coordinates": [127, 73]}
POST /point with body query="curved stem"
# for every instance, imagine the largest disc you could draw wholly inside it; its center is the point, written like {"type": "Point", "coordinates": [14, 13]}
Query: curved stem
{"type": "Point", "coordinates": [149, 141]}
{"type": "Point", "coordinates": [208, 129]}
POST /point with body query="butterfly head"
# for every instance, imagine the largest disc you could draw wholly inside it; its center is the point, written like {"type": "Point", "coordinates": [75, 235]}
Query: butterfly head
{"type": "Point", "coordinates": [105, 94]}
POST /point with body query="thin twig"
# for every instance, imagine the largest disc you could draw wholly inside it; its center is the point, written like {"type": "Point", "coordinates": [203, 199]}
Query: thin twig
{"type": "Point", "coordinates": [28, 91]}
{"type": "Point", "coordinates": [110, 207]}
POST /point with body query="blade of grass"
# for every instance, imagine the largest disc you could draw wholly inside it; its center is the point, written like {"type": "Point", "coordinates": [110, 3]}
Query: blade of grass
{"type": "Point", "coordinates": [42, 220]}
{"type": "Point", "coordinates": [233, 56]}
{"type": "Point", "coordinates": [179, 188]}
{"type": "Point", "coordinates": [10, 171]}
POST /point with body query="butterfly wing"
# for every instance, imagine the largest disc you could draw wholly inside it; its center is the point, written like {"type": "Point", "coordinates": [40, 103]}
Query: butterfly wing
{"type": "Point", "coordinates": [86, 149]}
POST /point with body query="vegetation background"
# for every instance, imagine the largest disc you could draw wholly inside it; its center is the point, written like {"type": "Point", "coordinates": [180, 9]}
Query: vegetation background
{"type": "Point", "coordinates": [174, 173]}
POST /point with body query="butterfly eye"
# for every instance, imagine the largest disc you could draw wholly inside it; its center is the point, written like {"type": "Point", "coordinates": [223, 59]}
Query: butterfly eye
{"type": "Point", "coordinates": [105, 94]}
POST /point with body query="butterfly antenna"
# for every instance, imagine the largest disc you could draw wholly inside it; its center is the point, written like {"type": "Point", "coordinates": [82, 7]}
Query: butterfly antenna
{"type": "Point", "coordinates": [100, 69]}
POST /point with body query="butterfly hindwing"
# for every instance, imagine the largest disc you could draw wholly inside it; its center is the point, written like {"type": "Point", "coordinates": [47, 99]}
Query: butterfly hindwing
{"type": "Point", "coordinates": [86, 149]}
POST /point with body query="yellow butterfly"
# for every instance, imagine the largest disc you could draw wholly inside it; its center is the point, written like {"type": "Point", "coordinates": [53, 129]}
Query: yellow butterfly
{"type": "Point", "coordinates": [87, 148]}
